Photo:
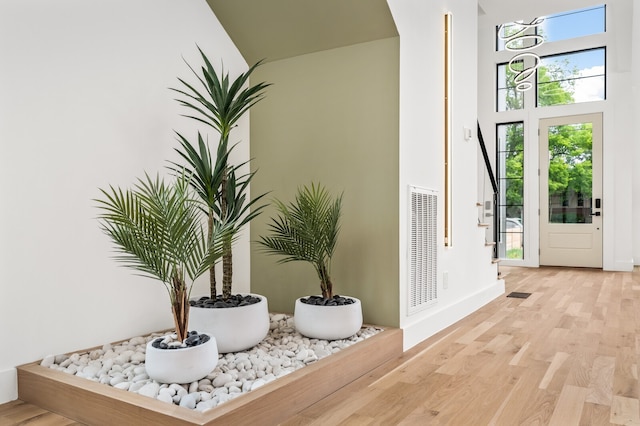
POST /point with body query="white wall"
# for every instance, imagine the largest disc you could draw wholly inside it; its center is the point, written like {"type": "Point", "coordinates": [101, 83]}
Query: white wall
{"type": "Point", "coordinates": [635, 94]}
{"type": "Point", "coordinates": [619, 137]}
{"type": "Point", "coordinates": [472, 278]}
{"type": "Point", "coordinates": [85, 103]}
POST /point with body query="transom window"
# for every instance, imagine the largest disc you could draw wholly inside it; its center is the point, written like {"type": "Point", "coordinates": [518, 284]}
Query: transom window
{"type": "Point", "coordinates": [572, 78]}
{"type": "Point", "coordinates": [523, 34]}
{"type": "Point", "coordinates": [573, 24]}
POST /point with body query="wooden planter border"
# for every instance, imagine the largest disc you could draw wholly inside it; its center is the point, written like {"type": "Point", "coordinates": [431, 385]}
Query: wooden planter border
{"type": "Point", "coordinates": [90, 402]}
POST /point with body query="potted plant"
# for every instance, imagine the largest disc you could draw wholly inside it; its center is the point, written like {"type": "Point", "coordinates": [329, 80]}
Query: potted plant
{"type": "Point", "coordinates": [307, 230]}
{"type": "Point", "coordinates": [157, 230]}
{"type": "Point", "coordinates": [223, 189]}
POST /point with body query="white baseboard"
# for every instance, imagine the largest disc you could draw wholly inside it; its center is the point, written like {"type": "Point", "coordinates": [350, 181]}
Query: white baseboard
{"type": "Point", "coordinates": [444, 317]}
{"type": "Point", "coordinates": [8, 385]}
{"type": "Point", "coordinates": [623, 266]}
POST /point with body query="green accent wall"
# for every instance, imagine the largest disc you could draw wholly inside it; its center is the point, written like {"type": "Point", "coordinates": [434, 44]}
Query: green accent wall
{"type": "Point", "coordinates": [333, 117]}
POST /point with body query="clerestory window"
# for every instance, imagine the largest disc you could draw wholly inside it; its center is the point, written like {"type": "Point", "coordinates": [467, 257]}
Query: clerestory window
{"type": "Point", "coordinates": [561, 78]}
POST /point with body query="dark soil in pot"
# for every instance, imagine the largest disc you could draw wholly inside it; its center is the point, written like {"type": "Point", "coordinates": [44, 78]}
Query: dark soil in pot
{"type": "Point", "coordinates": [336, 300]}
{"type": "Point", "coordinates": [168, 342]}
{"type": "Point", "coordinates": [219, 302]}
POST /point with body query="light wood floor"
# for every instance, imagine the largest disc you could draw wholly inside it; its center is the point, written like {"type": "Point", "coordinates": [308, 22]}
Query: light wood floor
{"type": "Point", "coordinates": [567, 355]}
{"type": "Point", "coordinates": [20, 413]}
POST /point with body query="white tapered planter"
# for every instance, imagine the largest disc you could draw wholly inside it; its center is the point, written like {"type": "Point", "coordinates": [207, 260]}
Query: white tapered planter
{"type": "Point", "coordinates": [183, 365]}
{"type": "Point", "coordinates": [235, 329]}
{"type": "Point", "coordinates": [328, 322]}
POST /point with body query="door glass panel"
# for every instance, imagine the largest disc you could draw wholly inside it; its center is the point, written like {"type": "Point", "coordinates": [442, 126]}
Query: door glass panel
{"type": "Point", "coordinates": [570, 173]}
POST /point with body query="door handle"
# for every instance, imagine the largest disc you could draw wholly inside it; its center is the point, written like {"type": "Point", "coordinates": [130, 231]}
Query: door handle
{"type": "Point", "coordinates": [598, 204]}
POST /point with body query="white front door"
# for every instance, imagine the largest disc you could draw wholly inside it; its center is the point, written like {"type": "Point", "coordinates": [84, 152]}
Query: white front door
{"type": "Point", "coordinates": [571, 204]}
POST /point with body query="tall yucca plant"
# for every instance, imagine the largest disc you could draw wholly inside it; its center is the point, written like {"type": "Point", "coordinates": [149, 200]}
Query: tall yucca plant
{"type": "Point", "coordinates": [307, 230]}
{"type": "Point", "coordinates": [220, 103]}
{"type": "Point", "coordinates": [157, 231]}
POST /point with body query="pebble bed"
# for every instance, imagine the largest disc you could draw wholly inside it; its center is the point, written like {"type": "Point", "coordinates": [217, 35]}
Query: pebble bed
{"type": "Point", "coordinates": [282, 352]}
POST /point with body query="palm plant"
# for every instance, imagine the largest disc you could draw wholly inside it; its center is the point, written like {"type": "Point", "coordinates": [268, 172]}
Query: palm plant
{"type": "Point", "coordinates": [156, 228]}
{"type": "Point", "coordinates": [220, 104]}
{"type": "Point", "coordinates": [307, 230]}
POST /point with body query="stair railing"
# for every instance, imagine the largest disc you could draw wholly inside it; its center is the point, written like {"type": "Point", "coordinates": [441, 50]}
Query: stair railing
{"type": "Point", "coordinates": [494, 186]}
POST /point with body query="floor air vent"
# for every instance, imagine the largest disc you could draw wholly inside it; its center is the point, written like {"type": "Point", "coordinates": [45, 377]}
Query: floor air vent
{"type": "Point", "coordinates": [423, 249]}
{"type": "Point", "coordinates": [518, 295]}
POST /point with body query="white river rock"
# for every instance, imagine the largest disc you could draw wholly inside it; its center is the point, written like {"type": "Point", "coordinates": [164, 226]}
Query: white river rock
{"type": "Point", "coordinates": [188, 402]}
{"type": "Point", "coordinates": [48, 361]}
{"type": "Point", "coordinates": [222, 379]}
{"type": "Point", "coordinates": [150, 390]}
{"type": "Point", "coordinates": [283, 351]}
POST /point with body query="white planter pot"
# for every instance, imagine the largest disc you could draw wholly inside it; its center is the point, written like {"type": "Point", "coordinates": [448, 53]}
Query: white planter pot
{"type": "Point", "coordinates": [235, 329]}
{"type": "Point", "coordinates": [328, 322]}
{"type": "Point", "coordinates": [183, 365]}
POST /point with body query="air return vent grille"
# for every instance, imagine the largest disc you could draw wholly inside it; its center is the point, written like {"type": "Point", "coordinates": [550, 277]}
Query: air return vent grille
{"type": "Point", "coordinates": [423, 249]}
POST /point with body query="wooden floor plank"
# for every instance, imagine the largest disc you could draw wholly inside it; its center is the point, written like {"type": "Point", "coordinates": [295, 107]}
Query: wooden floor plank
{"type": "Point", "coordinates": [476, 332]}
{"type": "Point", "coordinates": [581, 369]}
{"type": "Point", "coordinates": [601, 384]}
{"type": "Point", "coordinates": [518, 356]}
{"type": "Point", "coordinates": [21, 413]}
{"type": "Point", "coordinates": [594, 414]}
{"type": "Point", "coordinates": [568, 410]}
{"type": "Point", "coordinates": [625, 380]}
{"type": "Point", "coordinates": [625, 411]}
{"type": "Point", "coordinates": [558, 361]}
{"type": "Point", "coordinates": [521, 396]}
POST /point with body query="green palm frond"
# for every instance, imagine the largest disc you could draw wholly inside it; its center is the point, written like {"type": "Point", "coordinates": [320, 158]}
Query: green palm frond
{"type": "Point", "coordinates": [306, 229]}
{"type": "Point", "coordinates": [157, 231]}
